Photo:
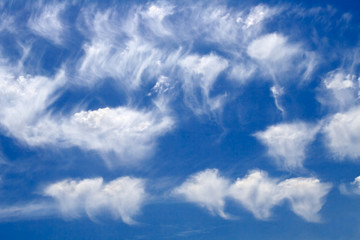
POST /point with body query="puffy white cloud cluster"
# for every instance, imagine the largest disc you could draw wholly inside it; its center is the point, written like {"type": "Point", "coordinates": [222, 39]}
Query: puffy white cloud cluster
{"type": "Point", "coordinates": [125, 131]}
{"type": "Point", "coordinates": [256, 192]}
{"type": "Point", "coordinates": [122, 197]}
{"type": "Point", "coordinates": [135, 49]}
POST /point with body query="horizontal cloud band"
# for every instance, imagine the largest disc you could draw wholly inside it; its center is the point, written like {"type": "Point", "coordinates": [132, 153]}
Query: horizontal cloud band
{"type": "Point", "coordinates": [256, 192]}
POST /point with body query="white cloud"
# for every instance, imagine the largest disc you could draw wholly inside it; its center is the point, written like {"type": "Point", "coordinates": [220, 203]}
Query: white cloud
{"type": "Point", "coordinates": [342, 134]}
{"type": "Point", "coordinates": [207, 67]}
{"type": "Point", "coordinates": [256, 192]}
{"type": "Point", "coordinates": [159, 12]}
{"type": "Point", "coordinates": [27, 211]}
{"type": "Point", "coordinates": [277, 92]}
{"type": "Point", "coordinates": [122, 197]}
{"type": "Point", "coordinates": [125, 131]}
{"type": "Point", "coordinates": [17, 91]}
{"type": "Point", "coordinates": [128, 52]}
{"type": "Point", "coordinates": [242, 72]}
{"type": "Point", "coordinates": [272, 47]}
{"type": "Point", "coordinates": [47, 22]}
{"type": "Point", "coordinates": [207, 189]}
{"type": "Point", "coordinates": [306, 196]}
{"type": "Point", "coordinates": [259, 194]}
{"type": "Point", "coordinates": [7, 22]}
{"type": "Point", "coordinates": [340, 90]}
{"type": "Point", "coordinates": [129, 133]}
{"type": "Point", "coordinates": [126, 64]}
{"type": "Point", "coordinates": [202, 72]}
{"type": "Point", "coordinates": [287, 142]}
{"type": "Point", "coordinates": [256, 15]}
{"type": "Point", "coordinates": [228, 27]}
{"type": "Point", "coordinates": [278, 56]}
{"type": "Point", "coordinates": [352, 188]}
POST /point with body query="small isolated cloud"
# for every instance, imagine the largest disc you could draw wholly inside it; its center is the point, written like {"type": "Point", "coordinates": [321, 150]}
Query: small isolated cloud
{"type": "Point", "coordinates": [207, 189]}
{"type": "Point", "coordinates": [342, 134]}
{"type": "Point", "coordinates": [277, 92]}
{"type": "Point", "coordinates": [287, 142]}
{"type": "Point", "coordinates": [122, 197]}
{"type": "Point", "coordinates": [272, 47]}
{"type": "Point", "coordinates": [47, 22]}
{"type": "Point", "coordinates": [340, 90]}
{"type": "Point", "coordinates": [256, 192]}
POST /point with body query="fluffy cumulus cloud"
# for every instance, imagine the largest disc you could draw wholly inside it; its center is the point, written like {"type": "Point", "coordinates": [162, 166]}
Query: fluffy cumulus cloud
{"type": "Point", "coordinates": [287, 142]}
{"type": "Point", "coordinates": [122, 197]}
{"type": "Point", "coordinates": [272, 47]}
{"type": "Point", "coordinates": [207, 189]}
{"type": "Point", "coordinates": [256, 192]}
{"type": "Point", "coordinates": [342, 134]}
{"type": "Point", "coordinates": [340, 90]}
{"type": "Point", "coordinates": [127, 132]}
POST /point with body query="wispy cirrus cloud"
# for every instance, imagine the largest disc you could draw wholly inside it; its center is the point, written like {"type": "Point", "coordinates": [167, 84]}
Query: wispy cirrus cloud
{"type": "Point", "coordinates": [47, 23]}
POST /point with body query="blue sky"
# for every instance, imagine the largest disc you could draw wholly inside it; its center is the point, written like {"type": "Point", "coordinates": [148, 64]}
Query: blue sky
{"type": "Point", "coordinates": [179, 120]}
